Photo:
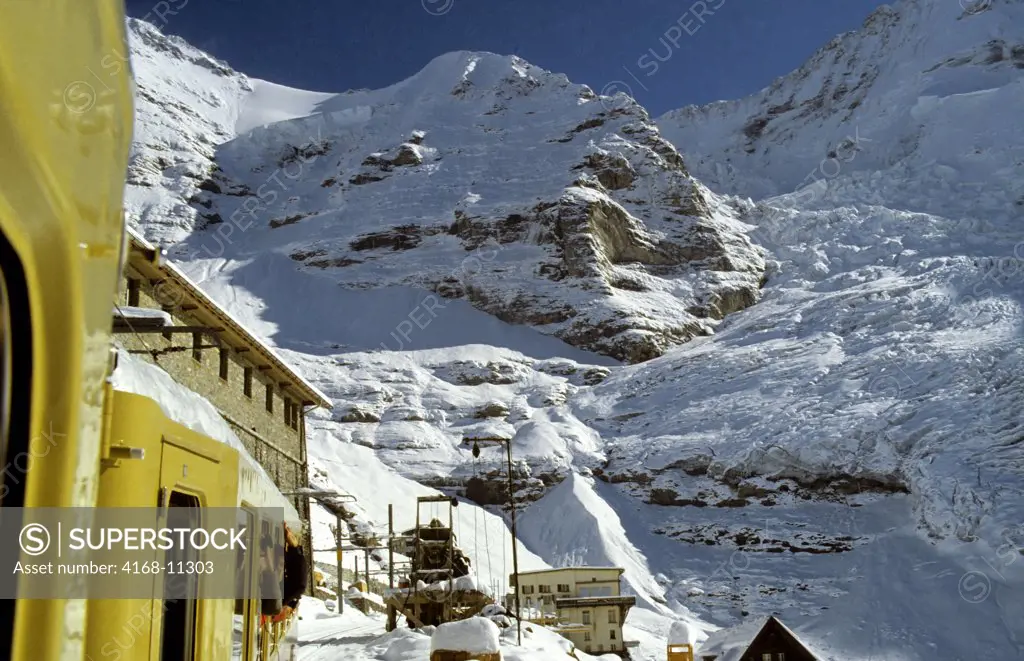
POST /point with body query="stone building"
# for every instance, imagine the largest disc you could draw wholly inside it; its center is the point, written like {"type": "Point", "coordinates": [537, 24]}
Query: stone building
{"type": "Point", "coordinates": [204, 348]}
{"type": "Point", "coordinates": [583, 604]}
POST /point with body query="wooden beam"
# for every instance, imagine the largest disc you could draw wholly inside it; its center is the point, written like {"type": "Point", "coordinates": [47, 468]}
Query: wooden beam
{"type": "Point", "coordinates": [264, 368]}
{"type": "Point", "coordinates": [121, 327]}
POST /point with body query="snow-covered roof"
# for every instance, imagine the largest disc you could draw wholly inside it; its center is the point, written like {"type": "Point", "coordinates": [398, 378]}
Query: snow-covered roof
{"type": "Point", "coordinates": [128, 312]}
{"type": "Point", "coordinates": [730, 644]}
{"type": "Point", "coordinates": [315, 394]}
{"type": "Point", "coordinates": [572, 568]}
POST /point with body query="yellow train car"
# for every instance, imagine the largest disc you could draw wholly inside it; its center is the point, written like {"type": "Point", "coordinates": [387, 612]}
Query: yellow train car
{"type": "Point", "coordinates": [65, 138]}
{"type": "Point", "coordinates": [169, 464]}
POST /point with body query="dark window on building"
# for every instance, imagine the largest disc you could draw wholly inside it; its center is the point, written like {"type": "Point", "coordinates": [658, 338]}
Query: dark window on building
{"type": "Point", "coordinates": [270, 398]}
{"type": "Point", "coordinates": [224, 362]}
{"type": "Point", "coordinates": [287, 411]}
{"type": "Point", "coordinates": [197, 342]}
{"type": "Point", "coordinates": [248, 382]}
{"type": "Point", "coordinates": [296, 411]}
{"type": "Point", "coordinates": [133, 292]}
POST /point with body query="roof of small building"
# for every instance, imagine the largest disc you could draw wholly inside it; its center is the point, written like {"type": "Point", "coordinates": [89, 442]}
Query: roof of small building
{"type": "Point", "coordinates": [575, 567]}
{"type": "Point", "coordinates": [315, 395]}
{"type": "Point", "coordinates": [729, 644]}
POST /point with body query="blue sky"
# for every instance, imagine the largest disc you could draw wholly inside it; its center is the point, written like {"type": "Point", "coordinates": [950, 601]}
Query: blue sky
{"type": "Point", "coordinates": [667, 53]}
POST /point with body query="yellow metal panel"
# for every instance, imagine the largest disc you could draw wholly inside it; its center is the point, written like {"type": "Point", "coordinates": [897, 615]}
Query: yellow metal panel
{"type": "Point", "coordinates": [128, 629]}
{"type": "Point", "coordinates": [64, 137]}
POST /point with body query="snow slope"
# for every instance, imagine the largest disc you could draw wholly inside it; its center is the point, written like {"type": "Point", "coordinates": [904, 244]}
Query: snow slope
{"type": "Point", "coordinates": [914, 106]}
{"type": "Point", "coordinates": [840, 442]}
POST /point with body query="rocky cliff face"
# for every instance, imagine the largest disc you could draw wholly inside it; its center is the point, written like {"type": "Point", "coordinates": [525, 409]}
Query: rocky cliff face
{"type": "Point", "coordinates": [917, 93]}
{"type": "Point", "coordinates": [482, 178]}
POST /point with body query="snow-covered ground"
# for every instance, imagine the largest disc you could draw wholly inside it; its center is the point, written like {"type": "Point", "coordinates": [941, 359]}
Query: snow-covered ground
{"type": "Point", "coordinates": [352, 636]}
{"type": "Point", "coordinates": [846, 450]}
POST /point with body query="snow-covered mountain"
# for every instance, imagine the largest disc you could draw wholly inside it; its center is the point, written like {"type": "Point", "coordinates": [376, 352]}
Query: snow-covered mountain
{"type": "Point", "coordinates": [916, 107]}
{"type": "Point", "coordinates": [482, 178]}
{"type": "Point", "coordinates": [820, 410]}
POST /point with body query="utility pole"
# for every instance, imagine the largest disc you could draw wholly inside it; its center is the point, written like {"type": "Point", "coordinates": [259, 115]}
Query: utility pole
{"type": "Point", "coordinates": [366, 570]}
{"type": "Point", "coordinates": [512, 502]}
{"type": "Point", "coordinates": [337, 548]}
{"type": "Point", "coordinates": [392, 615]}
{"type": "Point", "coordinates": [515, 554]}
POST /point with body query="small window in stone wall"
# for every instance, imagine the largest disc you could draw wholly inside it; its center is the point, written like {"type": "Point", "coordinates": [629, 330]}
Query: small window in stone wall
{"type": "Point", "coordinates": [133, 292]}
{"type": "Point", "coordinates": [270, 398]}
{"type": "Point", "coordinates": [287, 411]}
{"type": "Point", "coordinates": [224, 362]}
{"type": "Point", "coordinates": [197, 343]}
{"type": "Point", "coordinates": [247, 382]}
{"type": "Point", "coordinates": [296, 411]}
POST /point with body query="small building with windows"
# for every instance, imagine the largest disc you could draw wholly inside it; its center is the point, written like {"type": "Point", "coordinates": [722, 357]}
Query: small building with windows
{"type": "Point", "coordinates": [763, 639]}
{"type": "Point", "coordinates": [584, 604]}
{"type": "Point", "coordinates": [164, 318]}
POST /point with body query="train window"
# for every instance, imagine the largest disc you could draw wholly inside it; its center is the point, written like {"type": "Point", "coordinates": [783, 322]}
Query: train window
{"type": "Point", "coordinates": [15, 405]}
{"type": "Point", "coordinates": [178, 627]}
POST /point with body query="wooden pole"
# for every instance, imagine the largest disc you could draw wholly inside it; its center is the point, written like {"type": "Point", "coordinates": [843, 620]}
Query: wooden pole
{"type": "Point", "coordinates": [391, 546]}
{"type": "Point", "coordinates": [366, 570]}
{"type": "Point", "coordinates": [392, 615]}
{"type": "Point", "coordinates": [337, 546]}
{"type": "Point", "coordinates": [515, 554]}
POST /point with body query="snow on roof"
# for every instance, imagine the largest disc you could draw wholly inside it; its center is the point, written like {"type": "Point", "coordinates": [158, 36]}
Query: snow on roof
{"type": "Point", "coordinates": [570, 568]}
{"type": "Point", "coordinates": [219, 310]}
{"type": "Point", "coordinates": [128, 312]}
{"type": "Point", "coordinates": [476, 635]}
{"type": "Point", "coordinates": [189, 409]}
{"type": "Point", "coordinates": [729, 644]}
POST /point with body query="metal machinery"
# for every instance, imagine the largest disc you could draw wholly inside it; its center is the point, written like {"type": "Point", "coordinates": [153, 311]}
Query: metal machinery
{"type": "Point", "coordinates": [432, 592]}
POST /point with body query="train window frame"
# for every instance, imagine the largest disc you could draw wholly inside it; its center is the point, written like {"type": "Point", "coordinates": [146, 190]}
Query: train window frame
{"type": "Point", "coordinates": [189, 633]}
{"type": "Point", "coordinates": [16, 364]}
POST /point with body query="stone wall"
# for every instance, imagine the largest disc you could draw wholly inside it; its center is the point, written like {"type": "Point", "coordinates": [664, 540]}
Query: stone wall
{"type": "Point", "coordinates": [277, 443]}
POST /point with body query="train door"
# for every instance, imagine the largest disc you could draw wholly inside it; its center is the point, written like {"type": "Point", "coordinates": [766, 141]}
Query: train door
{"type": "Point", "coordinates": [184, 474]}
